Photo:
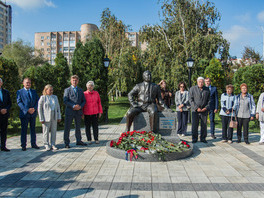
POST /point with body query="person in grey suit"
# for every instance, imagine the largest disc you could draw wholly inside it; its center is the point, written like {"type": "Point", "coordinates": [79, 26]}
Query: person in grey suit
{"type": "Point", "coordinates": [74, 100]}
{"type": "Point", "coordinates": [182, 108]}
{"type": "Point", "coordinates": [49, 115]}
{"type": "Point", "coordinates": [200, 105]}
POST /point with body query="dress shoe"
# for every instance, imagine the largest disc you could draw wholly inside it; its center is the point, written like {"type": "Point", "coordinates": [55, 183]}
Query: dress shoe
{"type": "Point", "coordinates": [89, 142]}
{"type": "Point", "coordinates": [194, 141]}
{"type": "Point", "coordinates": [223, 141]}
{"type": "Point", "coordinates": [213, 136]}
{"type": "Point", "coordinates": [81, 143]}
{"type": "Point", "coordinates": [54, 148]}
{"type": "Point", "coordinates": [247, 142]}
{"type": "Point", "coordinates": [230, 141]}
{"type": "Point", "coordinates": [35, 147]}
{"type": "Point", "coordinates": [204, 141]}
{"type": "Point", "coordinates": [67, 146]}
{"type": "Point", "coordinates": [5, 149]}
{"type": "Point", "coordinates": [24, 148]}
{"type": "Point", "coordinates": [47, 147]}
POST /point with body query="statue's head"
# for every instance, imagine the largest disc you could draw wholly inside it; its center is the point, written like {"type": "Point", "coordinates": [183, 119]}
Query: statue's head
{"type": "Point", "coordinates": [147, 76]}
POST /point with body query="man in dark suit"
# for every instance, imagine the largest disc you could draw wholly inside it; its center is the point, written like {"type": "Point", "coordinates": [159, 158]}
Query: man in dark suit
{"type": "Point", "coordinates": [199, 97]}
{"type": "Point", "coordinates": [213, 105]}
{"type": "Point", "coordinates": [27, 100]}
{"type": "Point", "coordinates": [5, 105]}
{"type": "Point", "coordinates": [143, 98]}
{"type": "Point", "coordinates": [74, 100]}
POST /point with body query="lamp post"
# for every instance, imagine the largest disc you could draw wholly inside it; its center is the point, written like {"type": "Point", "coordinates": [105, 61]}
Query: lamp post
{"type": "Point", "coordinates": [190, 63]}
{"type": "Point", "coordinates": [106, 64]}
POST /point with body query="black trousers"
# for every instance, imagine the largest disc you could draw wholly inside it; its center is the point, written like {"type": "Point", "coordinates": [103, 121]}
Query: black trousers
{"type": "Point", "coordinates": [245, 123]}
{"type": "Point", "coordinates": [196, 117]}
{"type": "Point", "coordinates": [91, 120]}
{"type": "Point", "coordinates": [3, 129]}
{"type": "Point", "coordinates": [227, 132]}
{"type": "Point", "coordinates": [182, 122]}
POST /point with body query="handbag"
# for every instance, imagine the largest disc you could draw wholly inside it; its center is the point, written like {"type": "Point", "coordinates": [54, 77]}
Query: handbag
{"type": "Point", "coordinates": [233, 123]}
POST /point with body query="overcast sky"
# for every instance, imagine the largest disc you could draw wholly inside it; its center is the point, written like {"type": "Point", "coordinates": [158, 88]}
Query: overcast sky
{"type": "Point", "coordinates": [241, 19]}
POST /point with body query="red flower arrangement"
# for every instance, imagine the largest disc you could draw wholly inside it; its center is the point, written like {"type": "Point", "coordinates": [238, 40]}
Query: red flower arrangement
{"type": "Point", "coordinates": [148, 142]}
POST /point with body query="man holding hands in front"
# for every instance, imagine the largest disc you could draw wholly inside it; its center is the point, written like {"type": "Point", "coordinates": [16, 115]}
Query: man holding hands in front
{"type": "Point", "coordinates": [200, 104]}
{"type": "Point", "coordinates": [74, 100]}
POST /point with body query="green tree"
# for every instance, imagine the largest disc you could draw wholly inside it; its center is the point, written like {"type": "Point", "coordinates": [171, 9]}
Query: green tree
{"type": "Point", "coordinates": [88, 65]}
{"type": "Point", "coordinates": [187, 28]}
{"type": "Point", "coordinates": [216, 73]}
{"type": "Point", "coordinates": [252, 55]}
{"type": "Point", "coordinates": [62, 73]}
{"type": "Point", "coordinates": [9, 75]}
{"type": "Point", "coordinates": [23, 54]}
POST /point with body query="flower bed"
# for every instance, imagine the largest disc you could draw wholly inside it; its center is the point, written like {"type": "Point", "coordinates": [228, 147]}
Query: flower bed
{"type": "Point", "coordinates": [140, 145]}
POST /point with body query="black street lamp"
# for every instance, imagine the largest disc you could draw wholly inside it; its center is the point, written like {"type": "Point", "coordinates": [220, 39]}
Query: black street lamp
{"type": "Point", "coordinates": [190, 63]}
{"type": "Point", "coordinates": [106, 64]}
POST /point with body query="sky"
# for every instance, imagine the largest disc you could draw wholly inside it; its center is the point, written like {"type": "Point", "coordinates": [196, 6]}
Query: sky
{"type": "Point", "coordinates": [241, 20]}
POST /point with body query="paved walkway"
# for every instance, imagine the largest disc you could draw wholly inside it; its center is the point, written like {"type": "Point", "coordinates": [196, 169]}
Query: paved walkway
{"type": "Point", "coordinates": [215, 170]}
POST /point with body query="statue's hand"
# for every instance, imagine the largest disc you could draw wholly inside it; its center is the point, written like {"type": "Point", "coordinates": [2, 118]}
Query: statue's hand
{"type": "Point", "coordinates": [134, 104]}
{"type": "Point", "coordinates": [167, 110]}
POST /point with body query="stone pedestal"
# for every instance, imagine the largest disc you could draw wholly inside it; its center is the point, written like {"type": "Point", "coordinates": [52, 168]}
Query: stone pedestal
{"type": "Point", "coordinates": [166, 123]}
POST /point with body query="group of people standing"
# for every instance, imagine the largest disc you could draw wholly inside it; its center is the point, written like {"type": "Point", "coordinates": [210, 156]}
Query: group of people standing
{"type": "Point", "coordinates": [202, 99]}
{"type": "Point", "coordinates": [78, 104]}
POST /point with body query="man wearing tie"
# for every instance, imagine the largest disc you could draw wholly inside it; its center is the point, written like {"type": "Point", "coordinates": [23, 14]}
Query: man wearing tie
{"type": "Point", "coordinates": [213, 105]}
{"type": "Point", "coordinates": [27, 100]}
{"type": "Point", "coordinates": [74, 100]}
{"type": "Point", "coordinates": [5, 105]}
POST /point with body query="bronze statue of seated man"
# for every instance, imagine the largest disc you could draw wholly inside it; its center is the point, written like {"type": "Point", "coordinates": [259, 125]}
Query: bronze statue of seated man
{"type": "Point", "coordinates": [143, 98]}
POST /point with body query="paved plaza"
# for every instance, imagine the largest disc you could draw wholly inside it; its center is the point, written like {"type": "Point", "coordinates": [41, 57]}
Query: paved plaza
{"type": "Point", "coordinates": [215, 170]}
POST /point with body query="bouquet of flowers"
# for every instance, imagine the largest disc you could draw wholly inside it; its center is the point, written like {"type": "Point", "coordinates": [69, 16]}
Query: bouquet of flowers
{"type": "Point", "coordinates": [134, 142]}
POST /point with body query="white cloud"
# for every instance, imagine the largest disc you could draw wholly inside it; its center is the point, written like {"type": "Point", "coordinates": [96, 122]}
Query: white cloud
{"type": "Point", "coordinates": [236, 33]}
{"type": "Point", "coordinates": [245, 18]}
{"type": "Point", "coordinates": [240, 36]}
{"type": "Point", "coordinates": [31, 4]}
{"type": "Point", "coordinates": [261, 16]}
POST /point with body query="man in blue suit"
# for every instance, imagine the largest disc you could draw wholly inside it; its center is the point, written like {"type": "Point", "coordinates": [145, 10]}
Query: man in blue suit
{"type": "Point", "coordinates": [27, 100]}
{"type": "Point", "coordinates": [74, 100]}
{"type": "Point", "coordinates": [5, 105]}
{"type": "Point", "coordinates": [213, 105]}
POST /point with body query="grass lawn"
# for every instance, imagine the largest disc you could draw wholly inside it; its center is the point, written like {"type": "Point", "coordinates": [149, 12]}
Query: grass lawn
{"type": "Point", "coordinates": [116, 112]}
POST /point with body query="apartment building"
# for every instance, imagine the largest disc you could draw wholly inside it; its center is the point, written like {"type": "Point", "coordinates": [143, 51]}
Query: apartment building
{"type": "Point", "coordinates": [5, 24]}
{"type": "Point", "coordinates": [51, 43]}
{"type": "Point", "coordinates": [134, 38]}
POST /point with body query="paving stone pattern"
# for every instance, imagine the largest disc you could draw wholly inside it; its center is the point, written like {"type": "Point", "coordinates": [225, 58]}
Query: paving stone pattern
{"type": "Point", "coordinates": [215, 170]}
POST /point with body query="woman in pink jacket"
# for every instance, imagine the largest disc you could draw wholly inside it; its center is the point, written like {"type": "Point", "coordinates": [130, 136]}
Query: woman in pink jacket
{"type": "Point", "coordinates": [92, 110]}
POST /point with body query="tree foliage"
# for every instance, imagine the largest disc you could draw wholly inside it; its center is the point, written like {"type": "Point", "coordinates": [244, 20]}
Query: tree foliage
{"type": "Point", "coordinates": [250, 53]}
{"type": "Point", "coordinates": [216, 73]}
{"type": "Point", "coordinates": [88, 65]}
{"type": "Point", "coordinates": [125, 68]}
{"type": "Point", "coordinates": [23, 54]}
{"type": "Point", "coordinates": [187, 28]}
{"type": "Point", "coordinates": [9, 75]}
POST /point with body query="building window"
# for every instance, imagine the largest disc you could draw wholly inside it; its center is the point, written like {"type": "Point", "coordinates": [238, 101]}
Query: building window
{"type": "Point", "coordinates": [72, 43]}
{"type": "Point", "coordinates": [47, 55]}
{"type": "Point", "coordinates": [60, 50]}
{"type": "Point", "coordinates": [48, 44]}
{"type": "Point", "coordinates": [72, 49]}
{"type": "Point", "coordinates": [65, 49]}
{"type": "Point", "coordinates": [42, 43]}
{"type": "Point", "coordinates": [48, 37]}
{"type": "Point", "coordinates": [42, 49]}
{"type": "Point", "coordinates": [48, 49]}
{"type": "Point", "coordinates": [42, 38]}
{"type": "Point", "coordinates": [65, 43]}
{"type": "Point", "coordinates": [60, 43]}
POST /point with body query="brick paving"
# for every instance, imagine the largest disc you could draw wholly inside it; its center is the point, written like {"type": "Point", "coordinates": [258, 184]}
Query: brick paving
{"type": "Point", "coordinates": [214, 170]}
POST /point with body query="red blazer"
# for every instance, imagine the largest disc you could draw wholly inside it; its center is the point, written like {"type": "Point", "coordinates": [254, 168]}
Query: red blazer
{"type": "Point", "coordinates": [93, 103]}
